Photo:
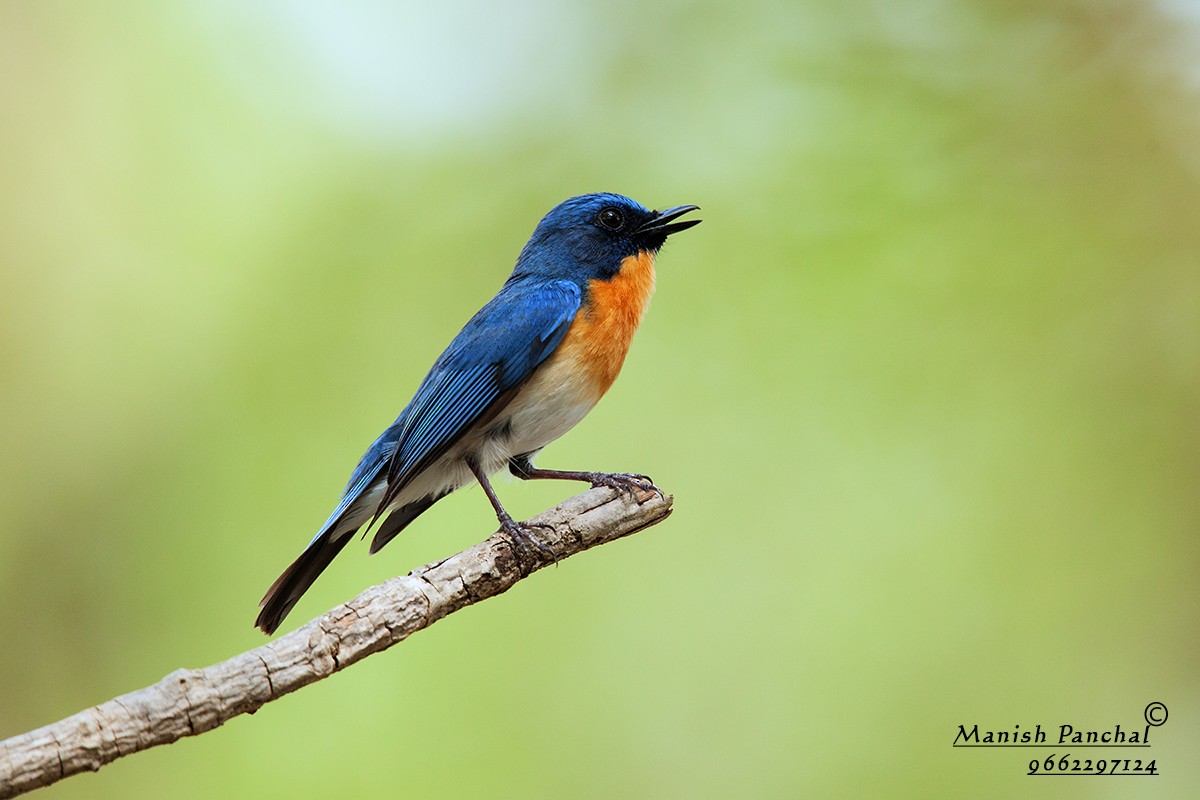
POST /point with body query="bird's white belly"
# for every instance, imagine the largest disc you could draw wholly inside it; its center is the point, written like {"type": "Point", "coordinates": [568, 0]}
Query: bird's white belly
{"type": "Point", "coordinates": [552, 403]}
{"type": "Point", "coordinates": [554, 400]}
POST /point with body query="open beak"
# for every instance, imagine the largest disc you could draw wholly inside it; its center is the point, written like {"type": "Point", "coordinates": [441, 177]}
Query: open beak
{"type": "Point", "coordinates": [661, 225]}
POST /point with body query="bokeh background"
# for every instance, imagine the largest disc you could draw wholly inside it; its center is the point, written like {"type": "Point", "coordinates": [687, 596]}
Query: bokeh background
{"type": "Point", "coordinates": [924, 384]}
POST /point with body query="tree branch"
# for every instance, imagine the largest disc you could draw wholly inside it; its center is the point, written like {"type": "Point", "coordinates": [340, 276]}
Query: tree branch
{"type": "Point", "coordinates": [192, 701]}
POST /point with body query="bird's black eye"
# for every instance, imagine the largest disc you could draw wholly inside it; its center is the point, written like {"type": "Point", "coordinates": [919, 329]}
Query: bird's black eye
{"type": "Point", "coordinates": [612, 218]}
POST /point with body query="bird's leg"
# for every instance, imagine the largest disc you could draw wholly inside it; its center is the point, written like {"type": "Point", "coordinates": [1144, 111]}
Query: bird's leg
{"type": "Point", "coordinates": [629, 483]}
{"type": "Point", "coordinates": [515, 531]}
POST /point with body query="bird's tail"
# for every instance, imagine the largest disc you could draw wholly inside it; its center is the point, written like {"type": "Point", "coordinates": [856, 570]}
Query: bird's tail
{"type": "Point", "coordinates": [296, 579]}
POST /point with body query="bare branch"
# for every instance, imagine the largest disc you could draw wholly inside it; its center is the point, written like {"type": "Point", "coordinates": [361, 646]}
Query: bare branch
{"type": "Point", "coordinates": [191, 701]}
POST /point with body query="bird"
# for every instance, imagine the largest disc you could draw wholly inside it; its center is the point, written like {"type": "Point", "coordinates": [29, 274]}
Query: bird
{"type": "Point", "coordinates": [522, 372]}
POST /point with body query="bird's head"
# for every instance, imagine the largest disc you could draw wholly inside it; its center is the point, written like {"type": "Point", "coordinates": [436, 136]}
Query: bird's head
{"type": "Point", "coordinates": [589, 237]}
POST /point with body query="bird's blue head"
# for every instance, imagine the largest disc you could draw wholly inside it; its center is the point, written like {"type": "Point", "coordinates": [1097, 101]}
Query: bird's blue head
{"type": "Point", "coordinates": [588, 237]}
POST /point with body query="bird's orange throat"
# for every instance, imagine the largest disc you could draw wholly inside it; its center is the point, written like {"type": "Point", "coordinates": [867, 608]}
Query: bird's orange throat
{"type": "Point", "coordinates": [600, 336]}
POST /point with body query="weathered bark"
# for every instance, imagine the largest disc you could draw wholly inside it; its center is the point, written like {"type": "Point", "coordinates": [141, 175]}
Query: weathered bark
{"type": "Point", "coordinates": [191, 701]}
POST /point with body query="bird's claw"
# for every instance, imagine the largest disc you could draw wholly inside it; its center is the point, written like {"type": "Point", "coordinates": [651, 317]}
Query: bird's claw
{"type": "Point", "coordinates": [629, 483]}
{"type": "Point", "coordinates": [518, 534]}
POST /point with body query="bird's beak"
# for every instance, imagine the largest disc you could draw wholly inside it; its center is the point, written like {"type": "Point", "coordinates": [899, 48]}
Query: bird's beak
{"type": "Point", "coordinates": [661, 223]}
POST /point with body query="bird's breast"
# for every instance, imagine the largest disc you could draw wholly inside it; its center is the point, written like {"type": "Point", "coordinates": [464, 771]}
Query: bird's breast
{"type": "Point", "coordinates": [599, 338]}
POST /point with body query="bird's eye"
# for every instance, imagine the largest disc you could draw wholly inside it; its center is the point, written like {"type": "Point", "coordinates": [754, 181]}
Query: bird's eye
{"type": "Point", "coordinates": [612, 218]}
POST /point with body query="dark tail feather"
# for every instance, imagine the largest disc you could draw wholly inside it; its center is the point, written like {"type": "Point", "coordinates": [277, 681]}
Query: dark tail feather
{"type": "Point", "coordinates": [398, 520]}
{"type": "Point", "coordinates": [296, 579]}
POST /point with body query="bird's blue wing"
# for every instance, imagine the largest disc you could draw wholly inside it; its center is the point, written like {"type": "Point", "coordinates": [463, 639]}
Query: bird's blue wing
{"type": "Point", "coordinates": [489, 359]}
{"type": "Point", "coordinates": [493, 354]}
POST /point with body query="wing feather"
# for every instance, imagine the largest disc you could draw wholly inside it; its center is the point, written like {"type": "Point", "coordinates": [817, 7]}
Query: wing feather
{"type": "Point", "coordinates": [477, 374]}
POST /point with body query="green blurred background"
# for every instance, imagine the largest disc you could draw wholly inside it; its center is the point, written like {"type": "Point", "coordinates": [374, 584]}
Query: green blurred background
{"type": "Point", "coordinates": [924, 384]}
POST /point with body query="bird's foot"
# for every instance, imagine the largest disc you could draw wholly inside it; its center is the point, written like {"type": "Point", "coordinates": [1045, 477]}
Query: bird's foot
{"type": "Point", "coordinates": [630, 483]}
{"type": "Point", "coordinates": [518, 535]}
